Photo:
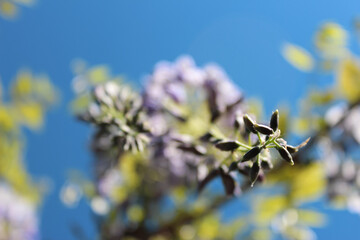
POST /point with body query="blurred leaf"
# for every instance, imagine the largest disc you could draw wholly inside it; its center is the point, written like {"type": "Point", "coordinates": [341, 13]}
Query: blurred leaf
{"type": "Point", "coordinates": [301, 126]}
{"type": "Point", "coordinates": [232, 229]}
{"type": "Point", "coordinates": [228, 182]}
{"type": "Point", "coordinates": [261, 233]}
{"type": "Point", "coordinates": [312, 218]}
{"type": "Point", "coordinates": [349, 80]}
{"type": "Point", "coordinates": [331, 40]}
{"type": "Point", "coordinates": [179, 194]}
{"type": "Point", "coordinates": [298, 57]}
{"type": "Point", "coordinates": [321, 97]}
{"type": "Point", "coordinates": [30, 114]}
{"type": "Point", "coordinates": [22, 86]}
{"type": "Point", "coordinates": [7, 121]}
{"type": "Point", "coordinates": [284, 119]}
{"type": "Point", "coordinates": [212, 175]}
{"type": "Point", "coordinates": [98, 74]}
{"type": "Point", "coordinates": [135, 213]}
{"type": "Point", "coordinates": [304, 182]}
{"type": "Point", "coordinates": [81, 103]}
{"type": "Point", "coordinates": [44, 90]}
{"type": "Point", "coordinates": [8, 9]}
{"type": "Point", "coordinates": [208, 227]}
{"type": "Point", "coordinates": [267, 208]}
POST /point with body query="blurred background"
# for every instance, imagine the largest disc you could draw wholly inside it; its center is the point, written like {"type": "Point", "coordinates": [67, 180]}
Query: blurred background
{"type": "Point", "coordinates": [245, 37]}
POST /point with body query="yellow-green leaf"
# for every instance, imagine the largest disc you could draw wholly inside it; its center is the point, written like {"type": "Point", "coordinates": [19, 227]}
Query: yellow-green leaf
{"type": "Point", "coordinates": [349, 80]}
{"type": "Point", "coordinates": [298, 57]}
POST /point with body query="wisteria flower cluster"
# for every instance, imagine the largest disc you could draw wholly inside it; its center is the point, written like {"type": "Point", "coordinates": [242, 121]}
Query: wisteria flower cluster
{"type": "Point", "coordinates": [187, 128]}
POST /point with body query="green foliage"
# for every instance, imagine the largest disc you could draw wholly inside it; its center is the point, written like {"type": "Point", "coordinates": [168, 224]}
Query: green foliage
{"type": "Point", "coordinates": [30, 97]}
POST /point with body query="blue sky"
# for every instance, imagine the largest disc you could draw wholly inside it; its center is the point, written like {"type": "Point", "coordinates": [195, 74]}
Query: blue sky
{"type": "Point", "coordinates": [244, 37]}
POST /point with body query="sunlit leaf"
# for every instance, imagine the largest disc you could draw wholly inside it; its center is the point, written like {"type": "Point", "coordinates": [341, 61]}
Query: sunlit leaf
{"type": "Point", "coordinates": [298, 57]}
{"type": "Point", "coordinates": [331, 40]}
{"type": "Point", "coordinates": [44, 90]}
{"type": "Point", "coordinates": [22, 86]}
{"type": "Point", "coordinates": [80, 103]}
{"type": "Point", "coordinates": [321, 97]}
{"type": "Point", "coordinates": [261, 233]}
{"type": "Point", "coordinates": [267, 208]}
{"type": "Point", "coordinates": [98, 74]}
{"type": "Point", "coordinates": [349, 80]}
{"type": "Point", "coordinates": [301, 126]}
{"type": "Point", "coordinates": [30, 114]}
{"type": "Point", "coordinates": [7, 121]}
{"type": "Point", "coordinates": [311, 218]}
{"type": "Point", "coordinates": [308, 182]}
{"type": "Point", "coordinates": [208, 227]}
{"type": "Point", "coordinates": [284, 120]}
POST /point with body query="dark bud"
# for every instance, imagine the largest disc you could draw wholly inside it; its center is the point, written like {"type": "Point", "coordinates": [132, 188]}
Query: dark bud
{"type": "Point", "coordinates": [228, 182]}
{"type": "Point", "coordinates": [274, 121]}
{"type": "Point", "coordinates": [266, 164]}
{"type": "Point", "coordinates": [227, 146]}
{"type": "Point", "coordinates": [249, 124]}
{"type": "Point", "coordinates": [281, 141]}
{"type": "Point", "coordinates": [244, 170]}
{"type": "Point", "coordinates": [211, 176]}
{"type": "Point", "coordinates": [251, 153]}
{"type": "Point", "coordinates": [237, 123]}
{"type": "Point", "coordinates": [254, 172]}
{"type": "Point", "coordinates": [263, 129]}
{"type": "Point", "coordinates": [212, 102]}
{"type": "Point", "coordinates": [233, 166]}
{"type": "Point", "coordinates": [291, 149]}
{"type": "Point", "coordinates": [216, 141]}
{"type": "Point", "coordinates": [208, 137]}
{"type": "Point", "coordinates": [261, 177]}
{"type": "Point", "coordinates": [285, 155]}
{"type": "Point", "coordinates": [195, 149]}
{"type": "Point", "coordinates": [215, 114]}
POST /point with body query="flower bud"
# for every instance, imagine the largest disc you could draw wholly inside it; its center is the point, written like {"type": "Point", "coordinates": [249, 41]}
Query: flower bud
{"type": "Point", "coordinates": [237, 123]}
{"type": "Point", "coordinates": [194, 149]}
{"type": "Point", "coordinates": [228, 183]}
{"type": "Point", "coordinates": [291, 149]}
{"type": "Point", "coordinates": [249, 124]}
{"type": "Point", "coordinates": [285, 155]}
{"type": "Point", "coordinates": [274, 121]}
{"type": "Point", "coordinates": [254, 172]}
{"type": "Point", "coordinates": [263, 129]}
{"type": "Point", "coordinates": [266, 164]}
{"type": "Point", "coordinates": [233, 166]}
{"type": "Point", "coordinates": [227, 146]}
{"type": "Point", "coordinates": [251, 153]}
